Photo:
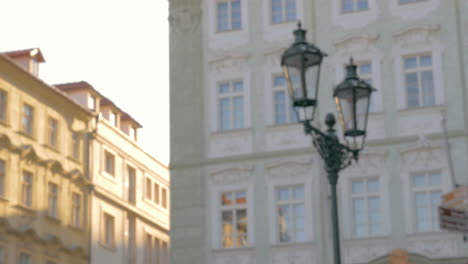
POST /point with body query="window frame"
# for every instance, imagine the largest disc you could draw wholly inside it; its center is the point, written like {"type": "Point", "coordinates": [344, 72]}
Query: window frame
{"type": "Point", "coordinates": [290, 203]}
{"type": "Point", "coordinates": [291, 116]}
{"type": "Point", "coordinates": [22, 253]}
{"type": "Point", "coordinates": [233, 209]}
{"type": "Point", "coordinates": [76, 210]}
{"type": "Point", "coordinates": [230, 95]}
{"type": "Point", "coordinates": [108, 239]}
{"type": "Point", "coordinates": [75, 145]}
{"type": "Point", "coordinates": [284, 18]}
{"type": "Point", "coordinates": [53, 194]}
{"type": "Point", "coordinates": [409, 2]}
{"type": "Point", "coordinates": [366, 195]}
{"type": "Point", "coordinates": [229, 16]}
{"type": "Point", "coordinates": [355, 8]}
{"type": "Point", "coordinates": [4, 95]}
{"type": "Point", "coordinates": [3, 178]}
{"type": "Point", "coordinates": [27, 189]}
{"type": "Point", "coordinates": [28, 128]}
{"type": "Point", "coordinates": [418, 70]}
{"type": "Point", "coordinates": [434, 226]}
{"type": "Point", "coordinates": [53, 133]}
{"type": "Point", "coordinates": [109, 163]}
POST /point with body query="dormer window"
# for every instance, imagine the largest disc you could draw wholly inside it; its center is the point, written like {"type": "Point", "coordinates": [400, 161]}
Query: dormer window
{"type": "Point", "coordinates": [92, 103]}
{"type": "Point", "coordinates": [113, 118]}
{"type": "Point", "coordinates": [132, 133]}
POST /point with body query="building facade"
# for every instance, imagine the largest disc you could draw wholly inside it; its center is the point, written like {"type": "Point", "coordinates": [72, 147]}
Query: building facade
{"type": "Point", "coordinates": [247, 184]}
{"type": "Point", "coordinates": [43, 184]}
{"type": "Point", "coordinates": [129, 201]}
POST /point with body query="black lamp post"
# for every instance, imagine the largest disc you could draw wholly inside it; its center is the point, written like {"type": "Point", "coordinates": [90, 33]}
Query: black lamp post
{"type": "Point", "coordinates": [301, 65]}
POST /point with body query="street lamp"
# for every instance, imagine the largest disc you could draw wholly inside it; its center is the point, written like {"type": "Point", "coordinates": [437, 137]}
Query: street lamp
{"type": "Point", "coordinates": [301, 65]}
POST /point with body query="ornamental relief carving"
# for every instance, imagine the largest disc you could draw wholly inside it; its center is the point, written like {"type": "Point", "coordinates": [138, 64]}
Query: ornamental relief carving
{"type": "Point", "coordinates": [184, 19]}
{"type": "Point", "coordinates": [369, 161]}
{"type": "Point", "coordinates": [292, 256]}
{"type": "Point", "coordinates": [287, 138]}
{"type": "Point", "coordinates": [234, 259]}
{"type": "Point", "coordinates": [357, 43]}
{"type": "Point", "coordinates": [416, 35]}
{"type": "Point", "coordinates": [273, 55]}
{"type": "Point", "coordinates": [364, 251]}
{"type": "Point", "coordinates": [290, 170]}
{"type": "Point", "coordinates": [229, 62]}
{"type": "Point", "coordinates": [224, 145]}
{"type": "Point", "coordinates": [424, 154]}
{"type": "Point", "coordinates": [434, 247]}
{"type": "Point", "coordinates": [232, 176]}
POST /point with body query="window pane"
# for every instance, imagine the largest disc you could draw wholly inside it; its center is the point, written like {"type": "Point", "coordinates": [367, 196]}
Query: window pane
{"type": "Point", "coordinates": [419, 181]}
{"type": "Point", "coordinates": [410, 63]}
{"type": "Point", "coordinates": [283, 223]}
{"type": "Point", "coordinates": [2, 178]}
{"type": "Point", "coordinates": [358, 187]}
{"type": "Point", "coordinates": [365, 69]}
{"type": "Point", "coordinates": [290, 10]}
{"type": "Point", "coordinates": [412, 90]}
{"type": "Point", "coordinates": [236, 15]}
{"type": "Point", "coordinates": [276, 11]}
{"type": "Point", "coordinates": [227, 198]}
{"type": "Point", "coordinates": [3, 105]}
{"type": "Point", "coordinates": [241, 198]}
{"type": "Point", "coordinates": [435, 179]}
{"type": "Point", "coordinates": [280, 107]}
{"type": "Point", "coordinates": [225, 115]}
{"type": "Point", "coordinates": [279, 81]}
{"type": "Point", "coordinates": [373, 185]}
{"type": "Point", "coordinates": [347, 5]}
{"type": "Point", "coordinates": [283, 194]}
{"type": "Point", "coordinates": [223, 88]}
{"type": "Point", "coordinates": [362, 4]}
{"type": "Point", "coordinates": [238, 112]}
{"type": "Point", "coordinates": [425, 61]}
{"type": "Point", "coordinates": [222, 16]}
{"type": "Point", "coordinates": [427, 87]}
{"type": "Point", "coordinates": [298, 192]}
{"type": "Point", "coordinates": [238, 87]}
{"type": "Point", "coordinates": [241, 227]}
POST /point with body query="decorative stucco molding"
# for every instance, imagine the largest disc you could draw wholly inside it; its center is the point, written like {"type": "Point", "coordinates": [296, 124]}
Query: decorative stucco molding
{"type": "Point", "coordinates": [369, 161]}
{"type": "Point", "coordinates": [227, 144]}
{"type": "Point", "coordinates": [356, 43]}
{"type": "Point", "coordinates": [423, 154]}
{"type": "Point", "coordinates": [232, 175]}
{"type": "Point", "coordinates": [229, 62]}
{"type": "Point", "coordinates": [292, 256]}
{"type": "Point", "coordinates": [184, 19]}
{"type": "Point", "coordinates": [434, 246]}
{"type": "Point", "coordinates": [273, 55]}
{"type": "Point", "coordinates": [416, 35]}
{"type": "Point", "coordinates": [365, 250]}
{"type": "Point", "coordinates": [289, 170]}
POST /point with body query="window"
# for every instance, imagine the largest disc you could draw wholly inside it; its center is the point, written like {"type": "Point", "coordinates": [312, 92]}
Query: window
{"type": "Point", "coordinates": [113, 118]}
{"type": "Point", "coordinates": [52, 132]}
{"type": "Point", "coordinates": [92, 103]}
{"type": "Point", "coordinates": [27, 186]}
{"type": "Point", "coordinates": [354, 5]}
{"type": "Point", "coordinates": [366, 208]}
{"type": "Point", "coordinates": [157, 252]}
{"type": "Point", "coordinates": [427, 191]}
{"type": "Point", "coordinates": [53, 198]}
{"type": "Point", "coordinates": [290, 213]}
{"type": "Point", "coordinates": [283, 11]}
{"type": "Point", "coordinates": [109, 163]}
{"type": "Point", "coordinates": [25, 258]}
{"type": "Point", "coordinates": [132, 133]}
{"type": "Point", "coordinates": [148, 189]}
{"type": "Point", "coordinates": [165, 253]}
{"type": "Point", "coordinates": [234, 219]}
{"type": "Point", "coordinates": [75, 145]}
{"type": "Point", "coordinates": [28, 119]}
{"type": "Point", "coordinates": [164, 198]}
{"type": "Point", "coordinates": [284, 112]}
{"type": "Point", "coordinates": [76, 210]}
{"type": "Point", "coordinates": [231, 105]}
{"type": "Point", "coordinates": [156, 193]}
{"type": "Point", "coordinates": [148, 249]}
{"type": "Point", "coordinates": [364, 70]}
{"type": "Point", "coordinates": [2, 178]}
{"type": "Point", "coordinates": [3, 105]}
{"type": "Point", "coordinates": [228, 15]}
{"type": "Point", "coordinates": [419, 81]}
{"type": "Point", "coordinates": [2, 255]}
{"type": "Point", "coordinates": [108, 234]}
{"type": "Point", "coordinates": [131, 174]}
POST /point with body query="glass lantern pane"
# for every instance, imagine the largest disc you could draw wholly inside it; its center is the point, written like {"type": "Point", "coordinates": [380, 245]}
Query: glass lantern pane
{"type": "Point", "coordinates": [362, 107]}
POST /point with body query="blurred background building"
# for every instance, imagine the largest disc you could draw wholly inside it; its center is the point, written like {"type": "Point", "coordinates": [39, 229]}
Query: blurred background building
{"type": "Point", "coordinates": [75, 186]}
{"type": "Point", "coordinates": [247, 184]}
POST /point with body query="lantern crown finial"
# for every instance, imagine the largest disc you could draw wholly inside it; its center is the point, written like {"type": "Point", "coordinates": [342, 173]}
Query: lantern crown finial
{"type": "Point", "coordinates": [330, 120]}
{"type": "Point", "coordinates": [351, 70]}
{"type": "Point", "coordinates": [299, 24]}
{"type": "Point", "coordinates": [299, 33]}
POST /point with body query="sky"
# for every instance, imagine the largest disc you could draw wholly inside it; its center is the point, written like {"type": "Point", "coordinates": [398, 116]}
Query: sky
{"type": "Point", "coordinates": [120, 47]}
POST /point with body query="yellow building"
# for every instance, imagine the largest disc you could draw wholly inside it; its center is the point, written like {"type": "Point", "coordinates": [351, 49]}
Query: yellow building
{"type": "Point", "coordinates": [43, 184]}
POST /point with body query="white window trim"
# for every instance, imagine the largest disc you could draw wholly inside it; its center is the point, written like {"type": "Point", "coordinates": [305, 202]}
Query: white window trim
{"type": "Point", "coordinates": [213, 211]}
{"type": "Point", "coordinates": [284, 13]}
{"type": "Point", "coordinates": [229, 15]}
{"type": "Point", "coordinates": [230, 95]}
{"type": "Point", "coordinates": [412, 11]}
{"type": "Point", "coordinates": [103, 165]}
{"type": "Point", "coordinates": [354, 19]}
{"type": "Point", "coordinates": [273, 183]}
{"type": "Point", "coordinates": [213, 108]}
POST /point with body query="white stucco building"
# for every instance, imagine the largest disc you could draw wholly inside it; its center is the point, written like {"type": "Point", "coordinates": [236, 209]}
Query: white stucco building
{"type": "Point", "coordinates": [247, 184]}
{"type": "Point", "coordinates": [129, 199]}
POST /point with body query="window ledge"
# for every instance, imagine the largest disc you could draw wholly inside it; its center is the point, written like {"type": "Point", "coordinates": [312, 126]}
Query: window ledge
{"type": "Point", "coordinates": [421, 108]}
{"type": "Point", "coordinates": [233, 249]}
{"type": "Point", "coordinates": [53, 148]}
{"type": "Point", "coordinates": [53, 219]}
{"type": "Point", "coordinates": [411, 3]}
{"type": "Point", "coordinates": [5, 123]}
{"type": "Point", "coordinates": [108, 176]}
{"type": "Point", "coordinates": [112, 248]}
{"type": "Point", "coordinates": [283, 22]}
{"type": "Point", "coordinates": [232, 131]}
{"type": "Point", "coordinates": [357, 11]}
{"type": "Point", "coordinates": [292, 244]}
{"type": "Point", "coordinates": [3, 199]}
{"type": "Point", "coordinates": [368, 238]}
{"type": "Point", "coordinates": [228, 31]}
{"type": "Point", "coordinates": [31, 136]}
{"type": "Point", "coordinates": [25, 208]}
{"type": "Point", "coordinates": [76, 228]}
{"type": "Point", "coordinates": [73, 159]}
{"type": "Point", "coordinates": [285, 125]}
